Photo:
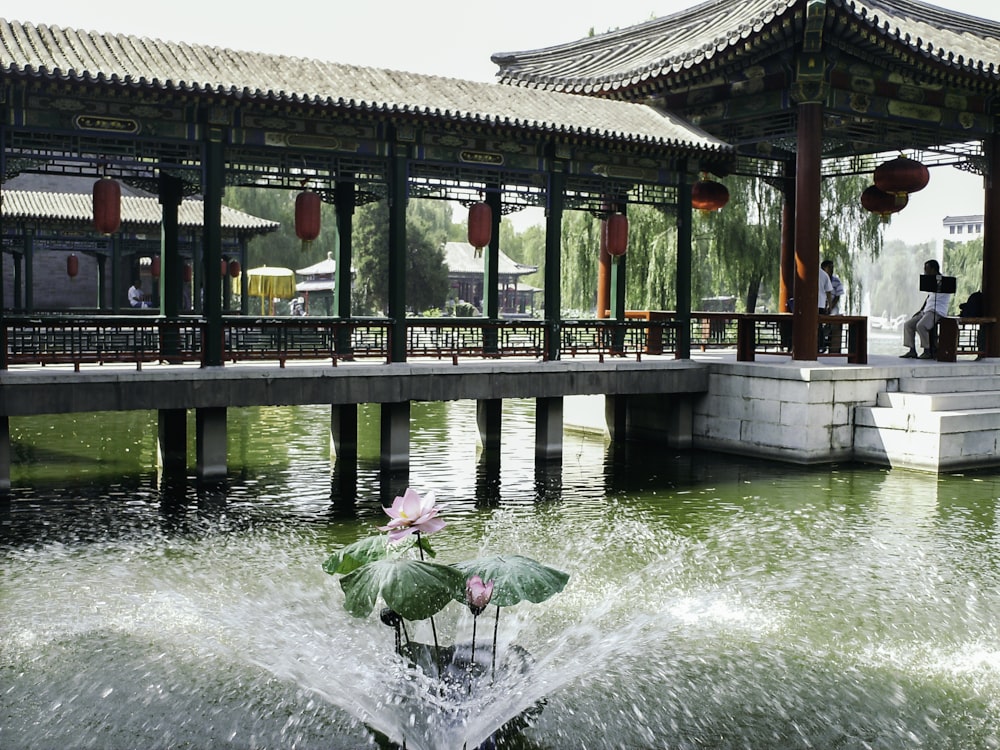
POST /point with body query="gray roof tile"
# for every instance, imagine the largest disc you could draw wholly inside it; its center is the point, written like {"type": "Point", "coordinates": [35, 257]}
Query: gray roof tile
{"type": "Point", "coordinates": [28, 50]}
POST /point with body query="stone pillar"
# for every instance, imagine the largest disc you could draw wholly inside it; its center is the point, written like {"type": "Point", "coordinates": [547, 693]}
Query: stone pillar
{"type": "Point", "coordinates": [395, 435]}
{"type": "Point", "coordinates": [171, 440]}
{"type": "Point", "coordinates": [4, 455]}
{"type": "Point", "coordinates": [549, 428]}
{"type": "Point", "coordinates": [489, 418]}
{"type": "Point", "coordinates": [615, 416]}
{"type": "Point", "coordinates": [211, 444]}
{"type": "Point", "coordinates": [344, 432]}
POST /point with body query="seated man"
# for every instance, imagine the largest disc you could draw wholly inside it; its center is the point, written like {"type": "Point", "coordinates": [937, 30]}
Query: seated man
{"type": "Point", "coordinates": [924, 319]}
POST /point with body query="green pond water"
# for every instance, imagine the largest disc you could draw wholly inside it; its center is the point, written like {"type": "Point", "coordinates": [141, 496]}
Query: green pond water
{"type": "Point", "coordinates": [713, 602]}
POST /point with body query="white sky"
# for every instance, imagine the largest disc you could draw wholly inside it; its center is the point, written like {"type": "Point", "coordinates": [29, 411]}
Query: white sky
{"type": "Point", "coordinates": [437, 37]}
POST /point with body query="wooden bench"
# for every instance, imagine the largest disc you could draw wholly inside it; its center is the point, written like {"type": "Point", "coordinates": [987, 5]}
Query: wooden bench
{"type": "Point", "coordinates": [961, 336]}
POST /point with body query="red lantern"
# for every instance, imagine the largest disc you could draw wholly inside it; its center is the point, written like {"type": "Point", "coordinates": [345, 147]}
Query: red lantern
{"type": "Point", "coordinates": [188, 273]}
{"type": "Point", "coordinates": [480, 226]}
{"type": "Point", "coordinates": [154, 267]}
{"type": "Point", "coordinates": [307, 206]}
{"type": "Point", "coordinates": [234, 268]}
{"type": "Point", "coordinates": [107, 199]}
{"type": "Point", "coordinates": [72, 265]}
{"type": "Point", "coordinates": [617, 229]}
{"type": "Point", "coordinates": [882, 203]}
{"type": "Point", "coordinates": [901, 176]}
{"type": "Point", "coordinates": [709, 195]}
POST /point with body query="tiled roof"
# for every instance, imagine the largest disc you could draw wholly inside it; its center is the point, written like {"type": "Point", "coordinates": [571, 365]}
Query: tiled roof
{"type": "Point", "coordinates": [73, 55]}
{"type": "Point", "coordinates": [136, 211]}
{"type": "Point", "coordinates": [460, 258]}
{"type": "Point", "coordinates": [689, 37]}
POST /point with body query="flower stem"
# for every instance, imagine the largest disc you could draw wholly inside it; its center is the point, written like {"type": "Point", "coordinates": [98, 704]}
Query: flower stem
{"type": "Point", "coordinates": [434, 632]}
{"type": "Point", "coordinates": [496, 627]}
{"type": "Point", "coordinates": [472, 660]}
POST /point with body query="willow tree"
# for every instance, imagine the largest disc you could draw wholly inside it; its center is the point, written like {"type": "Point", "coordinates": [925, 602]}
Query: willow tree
{"type": "Point", "coordinates": [744, 238]}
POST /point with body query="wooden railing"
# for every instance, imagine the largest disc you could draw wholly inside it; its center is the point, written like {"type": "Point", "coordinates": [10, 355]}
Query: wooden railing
{"type": "Point", "coordinates": [957, 336]}
{"type": "Point", "coordinates": [54, 339]}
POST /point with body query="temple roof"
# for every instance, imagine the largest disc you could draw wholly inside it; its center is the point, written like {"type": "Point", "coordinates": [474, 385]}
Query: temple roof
{"type": "Point", "coordinates": [460, 257]}
{"type": "Point", "coordinates": [58, 54]}
{"type": "Point", "coordinates": [692, 37]}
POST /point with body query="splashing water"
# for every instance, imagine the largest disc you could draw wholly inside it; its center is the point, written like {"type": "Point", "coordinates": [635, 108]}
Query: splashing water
{"type": "Point", "coordinates": [731, 607]}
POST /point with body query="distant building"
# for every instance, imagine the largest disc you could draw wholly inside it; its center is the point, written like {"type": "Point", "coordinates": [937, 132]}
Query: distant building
{"type": "Point", "coordinates": [963, 228]}
{"type": "Point", "coordinates": [465, 276]}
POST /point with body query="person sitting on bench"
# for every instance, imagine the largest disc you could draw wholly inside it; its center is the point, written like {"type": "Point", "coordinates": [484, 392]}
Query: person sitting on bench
{"type": "Point", "coordinates": [923, 320]}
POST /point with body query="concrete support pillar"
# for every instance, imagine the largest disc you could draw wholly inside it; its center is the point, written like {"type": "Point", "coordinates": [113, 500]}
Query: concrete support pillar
{"type": "Point", "coordinates": [344, 432]}
{"type": "Point", "coordinates": [4, 455]}
{"type": "Point", "coordinates": [395, 435]}
{"type": "Point", "coordinates": [210, 438]}
{"type": "Point", "coordinates": [489, 418]}
{"type": "Point", "coordinates": [171, 440]}
{"type": "Point", "coordinates": [615, 416]}
{"type": "Point", "coordinates": [549, 428]}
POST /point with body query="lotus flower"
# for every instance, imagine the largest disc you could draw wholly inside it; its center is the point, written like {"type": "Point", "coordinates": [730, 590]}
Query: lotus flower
{"type": "Point", "coordinates": [411, 513]}
{"type": "Point", "coordinates": [478, 594]}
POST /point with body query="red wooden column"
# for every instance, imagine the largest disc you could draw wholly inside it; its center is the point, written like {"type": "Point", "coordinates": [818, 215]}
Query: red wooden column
{"type": "Point", "coordinates": [807, 205]}
{"type": "Point", "coordinates": [786, 288]}
{"type": "Point", "coordinates": [603, 273]}
{"type": "Point", "coordinates": [991, 245]}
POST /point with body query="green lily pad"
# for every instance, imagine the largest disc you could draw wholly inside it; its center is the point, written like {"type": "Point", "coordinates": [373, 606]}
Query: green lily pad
{"type": "Point", "coordinates": [416, 589]}
{"type": "Point", "coordinates": [515, 578]}
{"type": "Point", "coordinates": [355, 555]}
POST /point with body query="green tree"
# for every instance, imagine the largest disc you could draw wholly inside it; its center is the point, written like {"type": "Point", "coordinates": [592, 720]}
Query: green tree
{"type": "Point", "coordinates": [964, 260]}
{"type": "Point", "coordinates": [427, 226]}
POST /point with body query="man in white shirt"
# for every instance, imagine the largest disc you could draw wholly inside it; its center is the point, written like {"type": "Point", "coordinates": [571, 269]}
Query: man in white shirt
{"type": "Point", "coordinates": [135, 294]}
{"type": "Point", "coordinates": [832, 333]}
{"type": "Point", "coordinates": [924, 319]}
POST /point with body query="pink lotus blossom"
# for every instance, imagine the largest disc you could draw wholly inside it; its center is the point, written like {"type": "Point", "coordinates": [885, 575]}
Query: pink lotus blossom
{"type": "Point", "coordinates": [411, 513]}
{"type": "Point", "coordinates": [478, 594]}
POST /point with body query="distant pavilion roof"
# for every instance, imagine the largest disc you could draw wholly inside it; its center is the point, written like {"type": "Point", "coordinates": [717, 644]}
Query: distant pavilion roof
{"type": "Point", "coordinates": [136, 211]}
{"type": "Point", "coordinates": [460, 257]}
{"type": "Point", "coordinates": [697, 36]}
{"type": "Point", "coordinates": [131, 62]}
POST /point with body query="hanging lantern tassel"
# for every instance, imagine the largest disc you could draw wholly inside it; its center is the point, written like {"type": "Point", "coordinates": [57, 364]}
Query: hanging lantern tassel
{"type": "Point", "coordinates": [72, 265]}
{"type": "Point", "coordinates": [617, 238]}
{"type": "Point", "coordinates": [307, 220]}
{"type": "Point", "coordinates": [107, 197]}
{"type": "Point", "coordinates": [480, 226]}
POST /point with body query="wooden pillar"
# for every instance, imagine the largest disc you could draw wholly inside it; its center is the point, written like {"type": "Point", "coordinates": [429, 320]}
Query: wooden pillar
{"type": "Point", "coordinates": [489, 418]}
{"type": "Point", "coordinates": [684, 255]}
{"type": "Point", "coordinates": [170, 194]}
{"type": "Point", "coordinates": [991, 245]}
{"type": "Point", "coordinates": [549, 428]}
{"type": "Point", "coordinates": [398, 166]}
{"type": "Point", "coordinates": [395, 435]}
{"type": "Point", "coordinates": [102, 280]}
{"type": "Point", "coordinates": [805, 337]}
{"type": "Point", "coordinates": [214, 184]}
{"type": "Point", "coordinates": [171, 440]}
{"type": "Point", "coordinates": [555, 200]}
{"type": "Point", "coordinates": [17, 259]}
{"type": "Point", "coordinates": [786, 287]}
{"type": "Point", "coordinates": [617, 281]}
{"type": "Point", "coordinates": [344, 431]}
{"type": "Point", "coordinates": [211, 443]}
{"type": "Point", "coordinates": [29, 270]}
{"type": "Point", "coordinates": [603, 273]}
{"type": "Point", "coordinates": [491, 260]}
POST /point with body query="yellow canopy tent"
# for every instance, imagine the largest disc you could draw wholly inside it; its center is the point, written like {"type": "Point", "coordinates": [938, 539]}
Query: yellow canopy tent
{"type": "Point", "coordinates": [270, 283]}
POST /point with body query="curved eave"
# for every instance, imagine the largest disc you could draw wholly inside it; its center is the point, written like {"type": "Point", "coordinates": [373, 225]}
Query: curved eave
{"type": "Point", "coordinates": [948, 41]}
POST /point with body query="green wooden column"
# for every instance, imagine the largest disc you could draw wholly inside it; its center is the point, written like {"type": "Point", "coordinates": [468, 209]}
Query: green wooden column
{"type": "Point", "coordinates": [491, 272]}
{"type": "Point", "coordinates": [991, 244]}
{"type": "Point", "coordinates": [344, 206]}
{"type": "Point", "coordinates": [684, 220]}
{"type": "Point", "coordinates": [213, 176]}
{"type": "Point", "coordinates": [170, 196]}
{"type": "Point", "coordinates": [555, 200]}
{"type": "Point", "coordinates": [398, 167]}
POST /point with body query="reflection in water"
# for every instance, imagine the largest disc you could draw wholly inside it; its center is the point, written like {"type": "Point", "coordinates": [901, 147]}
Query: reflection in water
{"type": "Point", "coordinates": [713, 602]}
